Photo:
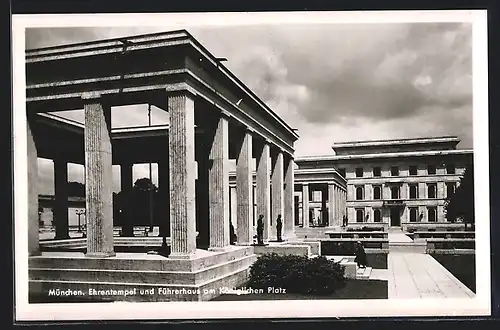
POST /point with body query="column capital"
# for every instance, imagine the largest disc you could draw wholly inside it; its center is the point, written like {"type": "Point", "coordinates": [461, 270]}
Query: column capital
{"type": "Point", "coordinates": [181, 89]}
{"type": "Point", "coordinates": [89, 96]}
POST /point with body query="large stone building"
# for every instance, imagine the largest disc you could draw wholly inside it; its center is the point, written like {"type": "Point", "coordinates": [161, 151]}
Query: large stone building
{"type": "Point", "coordinates": [396, 183]}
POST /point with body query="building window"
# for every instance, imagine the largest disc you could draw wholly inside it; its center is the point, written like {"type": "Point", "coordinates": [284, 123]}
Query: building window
{"type": "Point", "coordinates": [431, 214]}
{"type": "Point", "coordinates": [360, 193]}
{"type": "Point", "coordinates": [377, 171]}
{"type": "Point", "coordinates": [394, 192]}
{"type": "Point", "coordinates": [342, 172]}
{"type": "Point", "coordinates": [394, 171]}
{"type": "Point", "coordinates": [360, 215]}
{"type": "Point", "coordinates": [413, 170]}
{"type": "Point", "coordinates": [450, 189]}
{"type": "Point", "coordinates": [377, 215]}
{"type": "Point", "coordinates": [359, 172]}
{"type": "Point", "coordinates": [413, 191]}
{"type": "Point", "coordinates": [413, 214]}
{"type": "Point", "coordinates": [431, 190]}
{"type": "Point", "coordinates": [431, 169]}
{"type": "Point", "coordinates": [377, 192]}
{"type": "Point", "coordinates": [450, 168]}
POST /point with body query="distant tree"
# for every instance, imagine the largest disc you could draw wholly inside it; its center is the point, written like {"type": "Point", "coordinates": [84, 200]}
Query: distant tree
{"type": "Point", "coordinates": [145, 184]}
{"type": "Point", "coordinates": [132, 207]}
{"type": "Point", "coordinates": [76, 189]}
{"type": "Point", "coordinates": [460, 205]}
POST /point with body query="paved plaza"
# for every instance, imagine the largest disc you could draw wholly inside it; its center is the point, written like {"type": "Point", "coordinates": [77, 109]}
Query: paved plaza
{"type": "Point", "coordinates": [418, 275]}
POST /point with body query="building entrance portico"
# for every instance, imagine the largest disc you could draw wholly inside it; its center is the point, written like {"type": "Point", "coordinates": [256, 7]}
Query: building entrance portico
{"type": "Point", "coordinates": [395, 216]}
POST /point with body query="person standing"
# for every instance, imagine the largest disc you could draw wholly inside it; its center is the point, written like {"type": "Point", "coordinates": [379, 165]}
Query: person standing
{"type": "Point", "coordinates": [260, 230]}
{"type": "Point", "coordinates": [279, 227]}
{"type": "Point", "coordinates": [360, 255]}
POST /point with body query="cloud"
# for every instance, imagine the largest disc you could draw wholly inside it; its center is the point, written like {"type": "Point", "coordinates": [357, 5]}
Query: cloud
{"type": "Point", "coordinates": [333, 82]}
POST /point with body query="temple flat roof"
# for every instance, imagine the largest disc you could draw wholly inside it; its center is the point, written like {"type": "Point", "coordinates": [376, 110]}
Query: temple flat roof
{"type": "Point", "coordinates": [391, 142]}
{"type": "Point", "coordinates": [142, 42]}
{"type": "Point", "coordinates": [385, 155]}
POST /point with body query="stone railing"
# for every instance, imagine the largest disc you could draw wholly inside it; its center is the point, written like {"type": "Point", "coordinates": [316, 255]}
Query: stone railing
{"type": "Point", "coordinates": [441, 234]}
{"type": "Point", "coordinates": [432, 226]}
{"type": "Point", "coordinates": [347, 246]}
{"type": "Point", "coordinates": [450, 244]}
{"type": "Point", "coordinates": [376, 226]}
{"type": "Point", "coordinates": [358, 234]}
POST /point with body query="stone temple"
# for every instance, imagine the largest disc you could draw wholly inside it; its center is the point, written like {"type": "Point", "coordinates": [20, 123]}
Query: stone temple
{"type": "Point", "coordinates": [213, 118]}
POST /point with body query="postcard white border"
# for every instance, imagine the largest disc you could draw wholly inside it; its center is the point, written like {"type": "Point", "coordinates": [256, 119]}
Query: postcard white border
{"type": "Point", "coordinates": [480, 305]}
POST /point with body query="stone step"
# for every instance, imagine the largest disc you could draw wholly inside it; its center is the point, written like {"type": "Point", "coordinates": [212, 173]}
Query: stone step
{"type": "Point", "coordinates": [136, 261]}
{"type": "Point", "coordinates": [141, 276]}
{"type": "Point", "coordinates": [81, 243]}
{"type": "Point", "coordinates": [41, 289]}
{"type": "Point", "coordinates": [363, 273]}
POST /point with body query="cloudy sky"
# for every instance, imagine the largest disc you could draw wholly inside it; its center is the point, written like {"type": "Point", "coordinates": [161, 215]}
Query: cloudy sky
{"type": "Point", "coordinates": [333, 82]}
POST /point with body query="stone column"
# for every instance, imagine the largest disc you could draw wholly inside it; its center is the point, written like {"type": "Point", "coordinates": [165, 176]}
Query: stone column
{"type": "Point", "coordinates": [337, 205]}
{"type": "Point", "coordinates": [126, 176]}
{"type": "Point", "coordinates": [218, 185]}
{"type": "Point", "coordinates": [61, 198]}
{"type": "Point", "coordinates": [305, 205]}
{"type": "Point", "coordinates": [233, 209]}
{"type": "Point", "coordinates": [289, 200]}
{"type": "Point", "coordinates": [181, 144]}
{"type": "Point", "coordinates": [164, 189]}
{"type": "Point", "coordinates": [33, 225]}
{"type": "Point", "coordinates": [332, 204]}
{"type": "Point", "coordinates": [277, 190]}
{"type": "Point", "coordinates": [98, 176]}
{"type": "Point", "coordinates": [263, 188]}
{"type": "Point", "coordinates": [126, 183]}
{"type": "Point", "coordinates": [244, 187]}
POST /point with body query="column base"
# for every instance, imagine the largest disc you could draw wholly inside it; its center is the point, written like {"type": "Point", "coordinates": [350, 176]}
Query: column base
{"type": "Point", "coordinates": [244, 243]}
{"type": "Point", "coordinates": [100, 254]}
{"type": "Point", "coordinates": [62, 237]}
{"type": "Point", "coordinates": [35, 253]}
{"type": "Point", "coordinates": [219, 249]}
{"type": "Point", "coordinates": [181, 256]}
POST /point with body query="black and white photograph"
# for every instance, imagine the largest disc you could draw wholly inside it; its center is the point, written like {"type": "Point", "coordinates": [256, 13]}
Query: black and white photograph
{"type": "Point", "coordinates": [206, 165]}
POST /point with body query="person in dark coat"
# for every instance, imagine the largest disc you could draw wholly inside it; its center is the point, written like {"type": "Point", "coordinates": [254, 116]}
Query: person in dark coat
{"type": "Point", "coordinates": [279, 227]}
{"type": "Point", "coordinates": [232, 234]}
{"type": "Point", "coordinates": [260, 230]}
{"type": "Point", "coordinates": [360, 255]}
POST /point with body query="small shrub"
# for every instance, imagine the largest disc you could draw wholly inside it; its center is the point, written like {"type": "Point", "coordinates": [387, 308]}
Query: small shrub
{"type": "Point", "coordinates": [297, 274]}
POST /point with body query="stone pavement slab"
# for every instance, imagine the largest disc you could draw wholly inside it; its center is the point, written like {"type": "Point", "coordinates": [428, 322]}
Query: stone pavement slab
{"type": "Point", "coordinates": [414, 275]}
{"type": "Point", "coordinates": [398, 237]}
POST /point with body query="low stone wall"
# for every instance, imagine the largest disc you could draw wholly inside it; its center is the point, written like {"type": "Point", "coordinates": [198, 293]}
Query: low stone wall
{"type": "Point", "coordinates": [442, 234]}
{"type": "Point", "coordinates": [431, 226]}
{"type": "Point", "coordinates": [314, 245]}
{"type": "Point", "coordinates": [283, 249]}
{"type": "Point", "coordinates": [450, 244]}
{"type": "Point", "coordinates": [376, 250]}
{"type": "Point", "coordinates": [358, 234]}
{"type": "Point", "coordinates": [368, 226]}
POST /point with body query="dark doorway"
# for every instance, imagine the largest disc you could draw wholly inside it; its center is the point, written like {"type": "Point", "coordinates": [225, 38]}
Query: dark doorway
{"type": "Point", "coordinates": [395, 217]}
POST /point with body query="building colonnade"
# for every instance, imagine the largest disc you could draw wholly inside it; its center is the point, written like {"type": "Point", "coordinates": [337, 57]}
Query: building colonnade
{"type": "Point", "coordinates": [189, 186]}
